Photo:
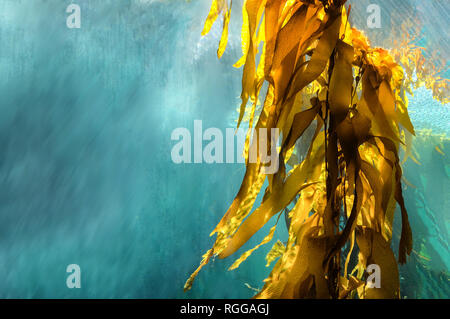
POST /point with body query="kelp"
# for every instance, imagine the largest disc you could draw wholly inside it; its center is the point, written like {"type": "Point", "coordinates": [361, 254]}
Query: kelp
{"type": "Point", "coordinates": [423, 66]}
{"type": "Point", "coordinates": [322, 74]}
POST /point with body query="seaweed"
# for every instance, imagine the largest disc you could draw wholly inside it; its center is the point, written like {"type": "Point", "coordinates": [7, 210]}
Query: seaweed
{"type": "Point", "coordinates": [323, 77]}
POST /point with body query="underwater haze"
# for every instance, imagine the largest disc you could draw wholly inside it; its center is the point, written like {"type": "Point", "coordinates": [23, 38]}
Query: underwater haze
{"type": "Point", "coordinates": [86, 173]}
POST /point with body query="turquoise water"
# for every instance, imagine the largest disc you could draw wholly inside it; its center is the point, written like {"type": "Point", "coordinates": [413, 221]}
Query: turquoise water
{"type": "Point", "coordinates": [85, 170]}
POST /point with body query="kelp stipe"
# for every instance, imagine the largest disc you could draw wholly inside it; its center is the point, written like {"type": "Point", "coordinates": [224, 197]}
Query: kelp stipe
{"type": "Point", "coordinates": [321, 74]}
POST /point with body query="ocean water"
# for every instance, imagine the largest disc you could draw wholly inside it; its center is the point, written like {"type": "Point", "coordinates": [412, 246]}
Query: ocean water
{"type": "Point", "coordinates": [86, 176]}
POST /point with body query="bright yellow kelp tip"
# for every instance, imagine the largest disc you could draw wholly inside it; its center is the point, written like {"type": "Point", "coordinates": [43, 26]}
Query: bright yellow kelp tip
{"type": "Point", "coordinates": [324, 78]}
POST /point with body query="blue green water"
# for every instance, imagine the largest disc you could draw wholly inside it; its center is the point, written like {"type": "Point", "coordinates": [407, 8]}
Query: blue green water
{"type": "Point", "coordinates": [86, 177]}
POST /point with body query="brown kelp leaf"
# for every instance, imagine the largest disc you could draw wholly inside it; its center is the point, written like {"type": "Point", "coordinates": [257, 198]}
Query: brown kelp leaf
{"type": "Point", "coordinates": [380, 121]}
{"type": "Point", "coordinates": [292, 266]}
{"type": "Point", "coordinates": [311, 252]}
{"type": "Point", "coordinates": [275, 252]}
{"type": "Point", "coordinates": [279, 199]}
{"type": "Point", "coordinates": [376, 183]}
{"type": "Point", "coordinates": [349, 285]}
{"type": "Point", "coordinates": [205, 260]}
{"type": "Point", "coordinates": [340, 92]}
{"type": "Point", "coordinates": [286, 51]}
{"type": "Point", "coordinates": [216, 8]}
{"type": "Point", "coordinates": [251, 9]}
{"type": "Point", "coordinates": [312, 29]}
{"type": "Point", "coordinates": [405, 245]}
{"type": "Point", "coordinates": [388, 103]}
{"type": "Point", "coordinates": [224, 37]}
{"type": "Point", "coordinates": [374, 249]}
{"type": "Point", "coordinates": [300, 123]}
{"type": "Point", "coordinates": [403, 117]}
{"type": "Point", "coordinates": [251, 183]}
{"type": "Point", "coordinates": [319, 59]}
{"type": "Point", "coordinates": [272, 12]}
{"type": "Point", "coordinates": [245, 255]}
{"type": "Point", "coordinates": [276, 201]}
{"type": "Point", "coordinates": [353, 131]}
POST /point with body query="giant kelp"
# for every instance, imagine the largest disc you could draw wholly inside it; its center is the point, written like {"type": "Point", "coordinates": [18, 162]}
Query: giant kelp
{"type": "Point", "coordinates": [322, 74]}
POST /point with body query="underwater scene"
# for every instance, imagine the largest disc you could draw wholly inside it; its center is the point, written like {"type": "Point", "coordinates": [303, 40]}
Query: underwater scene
{"type": "Point", "coordinates": [224, 149]}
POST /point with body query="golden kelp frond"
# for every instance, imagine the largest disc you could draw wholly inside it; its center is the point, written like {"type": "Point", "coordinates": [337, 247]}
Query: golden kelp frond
{"type": "Point", "coordinates": [277, 251]}
{"type": "Point", "coordinates": [217, 7]}
{"type": "Point", "coordinates": [323, 78]}
{"type": "Point", "coordinates": [423, 67]}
